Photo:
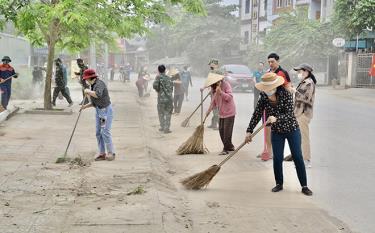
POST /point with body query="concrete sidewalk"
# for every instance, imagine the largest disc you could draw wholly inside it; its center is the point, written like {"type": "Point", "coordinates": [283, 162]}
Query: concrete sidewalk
{"type": "Point", "coordinates": [37, 195]}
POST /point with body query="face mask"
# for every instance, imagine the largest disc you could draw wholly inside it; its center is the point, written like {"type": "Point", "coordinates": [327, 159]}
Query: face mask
{"type": "Point", "coordinates": [300, 76]}
{"type": "Point", "coordinates": [270, 93]}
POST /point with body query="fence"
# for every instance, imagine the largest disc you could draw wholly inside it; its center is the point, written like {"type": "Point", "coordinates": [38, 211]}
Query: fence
{"type": "Point", "coordinates": [362, 76]}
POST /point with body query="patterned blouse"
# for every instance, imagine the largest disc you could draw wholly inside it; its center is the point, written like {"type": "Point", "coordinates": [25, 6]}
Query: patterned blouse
{"type": "Point", "coordinates": [283, 110]}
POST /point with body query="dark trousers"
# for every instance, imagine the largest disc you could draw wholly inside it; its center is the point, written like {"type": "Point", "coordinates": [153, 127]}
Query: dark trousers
{"type": "Point", "coordinates": [226, 131]}
{"type": "Point", "coordinates": [6, 91]}
{"type": "Point", "coordinates": [215, 118]}
{"type": "Point", "coordinates": [278, 143]}
{"type": "Point", "coordinates": [61, 89]}
{"type": "Point", "coordinates": [177, 102]}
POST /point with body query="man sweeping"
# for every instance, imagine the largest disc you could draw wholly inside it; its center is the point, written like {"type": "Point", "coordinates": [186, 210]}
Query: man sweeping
{"type": "Point", "coordinates": [6, 74]}
{"type": "Point", "coordinates": [163, 85]}
{"type": "Point", "coordinates": [104, 114]}
{"type": "Point", "coordinates": [223, 101]}
{"type": "Point", "coordinates": [60, 84]}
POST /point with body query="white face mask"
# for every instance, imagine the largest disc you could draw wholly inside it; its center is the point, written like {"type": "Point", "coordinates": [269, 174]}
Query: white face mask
{"type": "Point", "coordinates": [270, 93]}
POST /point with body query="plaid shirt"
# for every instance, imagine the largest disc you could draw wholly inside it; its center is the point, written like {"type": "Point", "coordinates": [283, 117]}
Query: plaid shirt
{"type": "Point", "coordinates": [304, 98]}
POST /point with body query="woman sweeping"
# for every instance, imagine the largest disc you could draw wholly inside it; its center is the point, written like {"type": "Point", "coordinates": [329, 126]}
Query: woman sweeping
{"type": "Point", "coordinates": [223, 100]}
{"type": "Point", "coordinates": [278, 104]}
{"type": "Point", "coordinates": [100, 100]}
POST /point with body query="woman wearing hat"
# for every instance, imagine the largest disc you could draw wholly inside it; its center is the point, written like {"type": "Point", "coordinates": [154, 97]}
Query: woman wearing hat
{"type": "Point", "coordinates": [278, 104]}
{"type": "Point", "coordinates": [223, 100]}
{"type": "Point", "coordinates": [303, 106]}
{"type": "Point", "coordinates": [104, 114]}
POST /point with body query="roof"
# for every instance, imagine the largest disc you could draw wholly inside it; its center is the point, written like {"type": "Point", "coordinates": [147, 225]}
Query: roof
{"type": "Point", "coordinates": [172, 61]}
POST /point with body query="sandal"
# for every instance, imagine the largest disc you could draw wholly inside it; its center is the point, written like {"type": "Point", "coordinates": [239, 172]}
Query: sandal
{"type": "Point", "coordinates": [101, 157]}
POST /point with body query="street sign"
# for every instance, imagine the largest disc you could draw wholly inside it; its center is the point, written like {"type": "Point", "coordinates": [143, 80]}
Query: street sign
{"type": "Point", "coordinates": [338, 42]}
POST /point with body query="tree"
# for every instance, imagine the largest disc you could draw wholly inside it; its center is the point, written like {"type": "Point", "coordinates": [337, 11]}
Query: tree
{"type": "Point", "coordinates": [198, 37]}
{"type": "Point", "coordinates": [295, 37]}
{"type": "Point", "coordinates": [354, 16]}
{"type": "Point", "coordinates": [73, 23]}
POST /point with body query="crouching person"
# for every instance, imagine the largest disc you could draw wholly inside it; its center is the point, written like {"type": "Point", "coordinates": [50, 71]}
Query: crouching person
{"type": "Point", "coordinates": [100, 100]}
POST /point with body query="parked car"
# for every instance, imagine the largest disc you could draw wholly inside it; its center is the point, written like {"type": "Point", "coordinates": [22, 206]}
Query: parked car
{"type": "Point", "coordinates": [240, 77]}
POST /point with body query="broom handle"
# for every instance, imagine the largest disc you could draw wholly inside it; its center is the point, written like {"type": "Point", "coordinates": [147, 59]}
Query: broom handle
{"type": "Point", "coordinates": [10, 77]}
{"type": "Point", "coordinates": [74, 129]}
{"type": "Point", "coordinates": [201, 104]}
{"type": "Point", "coordinates": [201, 108]}
{"type": "Point", "coordinates": [239, 148]}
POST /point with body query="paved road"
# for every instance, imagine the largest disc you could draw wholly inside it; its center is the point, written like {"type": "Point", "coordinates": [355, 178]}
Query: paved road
{"type": "Point", "coordinates": [343, 157]}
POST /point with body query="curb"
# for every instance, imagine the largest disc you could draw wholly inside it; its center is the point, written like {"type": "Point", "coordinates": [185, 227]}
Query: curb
{"type": "Point", "coordinates": [9, 113]}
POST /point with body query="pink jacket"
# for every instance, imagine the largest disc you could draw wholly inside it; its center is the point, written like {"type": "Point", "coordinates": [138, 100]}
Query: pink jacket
{"type": "Point", "coordinates": [224, 101]}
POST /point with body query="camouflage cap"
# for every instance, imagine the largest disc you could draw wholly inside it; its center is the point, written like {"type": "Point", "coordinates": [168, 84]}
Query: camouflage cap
{"type": "Point", "coordinates": [214, 61]}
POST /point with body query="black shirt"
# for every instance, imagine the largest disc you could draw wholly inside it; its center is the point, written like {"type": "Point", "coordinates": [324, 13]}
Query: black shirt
{"type": "Point", "coordinates": [101, 91]}
{"type": "Point", "coordinates": [283, 110]}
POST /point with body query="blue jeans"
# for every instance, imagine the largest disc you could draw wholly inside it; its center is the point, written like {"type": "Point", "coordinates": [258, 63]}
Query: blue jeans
{"type": "Point", "coordinates": [104, 118]}
{"type": "Point", "coordinates": [278, 143]}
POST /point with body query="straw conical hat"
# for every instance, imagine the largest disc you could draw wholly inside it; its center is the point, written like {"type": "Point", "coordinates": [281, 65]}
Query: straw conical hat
{"type": "Point", "coordinates": [212, 79]}
{"type": "Point", "coordinates": [269, 82]}
{"type": "Point", "coordinates": [172, 72]}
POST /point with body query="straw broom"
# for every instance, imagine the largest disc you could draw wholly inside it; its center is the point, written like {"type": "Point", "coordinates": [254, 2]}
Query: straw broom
{"type": "Point", "coordinates": [202, 179]}
{"type": "Point", "coordinates": [195, 144]}
{"type": "Point", "coordinates": [185, 123]}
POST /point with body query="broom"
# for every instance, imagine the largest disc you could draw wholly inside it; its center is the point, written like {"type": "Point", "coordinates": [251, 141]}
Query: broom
{"type": "Point", "coordinates": [63, 159]}
{"type": "Point", "coordinates": [194, 145]}
{"type": "Point", "coordinates": [185, 123]}
{"type": "Point", "coordinates": [202, 179]}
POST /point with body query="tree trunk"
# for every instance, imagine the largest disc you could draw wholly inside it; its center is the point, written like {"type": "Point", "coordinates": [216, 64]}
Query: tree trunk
{"type": "Point", "coordinates": [47, 87]}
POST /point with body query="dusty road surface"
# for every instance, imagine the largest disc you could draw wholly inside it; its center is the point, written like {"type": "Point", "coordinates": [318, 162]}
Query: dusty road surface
{"type": "Point", "coordinates": [140, 190]}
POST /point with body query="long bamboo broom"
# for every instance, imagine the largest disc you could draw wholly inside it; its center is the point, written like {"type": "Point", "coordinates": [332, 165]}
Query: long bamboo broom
{"type": "Point", "coordinates": [185, 123]}
{"type": "Point", "coordinates": [202, 179]}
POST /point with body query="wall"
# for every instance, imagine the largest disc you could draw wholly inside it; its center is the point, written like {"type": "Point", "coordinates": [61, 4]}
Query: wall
{"type": "Point", "coordinates": [18, 49]}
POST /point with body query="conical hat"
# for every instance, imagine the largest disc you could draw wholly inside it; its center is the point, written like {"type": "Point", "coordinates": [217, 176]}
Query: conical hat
{"type": "Point", "coordinates": [212, 79]}
{"type": "Point", "coordinates": [172, 72]}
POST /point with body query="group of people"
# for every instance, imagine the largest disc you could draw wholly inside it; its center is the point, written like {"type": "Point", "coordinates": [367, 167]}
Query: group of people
{"type": "Point", "coordinates": [286, 111]}
{"type": "Point", "coordinates": [172, 87]}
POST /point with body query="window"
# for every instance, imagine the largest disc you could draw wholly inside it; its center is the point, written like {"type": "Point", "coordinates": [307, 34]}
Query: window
{"type": "Point", "coordinates": [247, 7]}
{"type": "Point", "coordinates": [279, 3]}
{"type": "Point", "coordinates": [246, 37]}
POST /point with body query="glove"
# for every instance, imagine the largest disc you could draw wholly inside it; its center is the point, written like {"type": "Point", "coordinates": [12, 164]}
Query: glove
{"type": "Point", "coordinates": [248, 138]}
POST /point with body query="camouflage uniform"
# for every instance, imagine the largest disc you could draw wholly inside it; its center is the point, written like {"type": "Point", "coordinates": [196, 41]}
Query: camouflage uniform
{"type": "Point", "coordinates": [163, 85]}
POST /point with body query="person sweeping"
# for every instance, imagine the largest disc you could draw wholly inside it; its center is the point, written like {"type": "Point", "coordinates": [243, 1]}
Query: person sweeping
{"type": "Point", "coordinates": [223, 101]}
{"type": "Point", "coordinates": [7, 72]}
{"type": "Point", "coordinates": [278, 104]}
{"type": "Point", "coordinates": [104, 114]}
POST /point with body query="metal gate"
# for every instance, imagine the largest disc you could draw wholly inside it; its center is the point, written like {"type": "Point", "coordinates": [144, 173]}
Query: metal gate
{"type": "Point", "coordinates": [363, 64]}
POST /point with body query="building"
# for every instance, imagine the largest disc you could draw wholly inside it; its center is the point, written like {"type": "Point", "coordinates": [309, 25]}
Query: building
{"type": "Point", "coordinates": [258, 16]}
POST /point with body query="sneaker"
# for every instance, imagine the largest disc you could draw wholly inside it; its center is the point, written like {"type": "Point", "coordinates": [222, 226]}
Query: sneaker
{"type": "Point", "coordinates": [101, 157]}
{"type": "Point", "coordinates": [224, 152]}
{"type": "Point", "coordinates": [307, 191]}
{"type": "Point", "coordinates": [167, 131]}
{"type": "Point", "coordinates": [110, 157]}
{"type": "Point", "coordinates": [70, 104]}
{"type": "Point", "coordinates": [307, 163]}
{"type": "Point", "coordinates": [288, 158]}
{"type": "Point", "coordinates": [277, 188]}
{"type": "Point", "coordinates": [210, 127]}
